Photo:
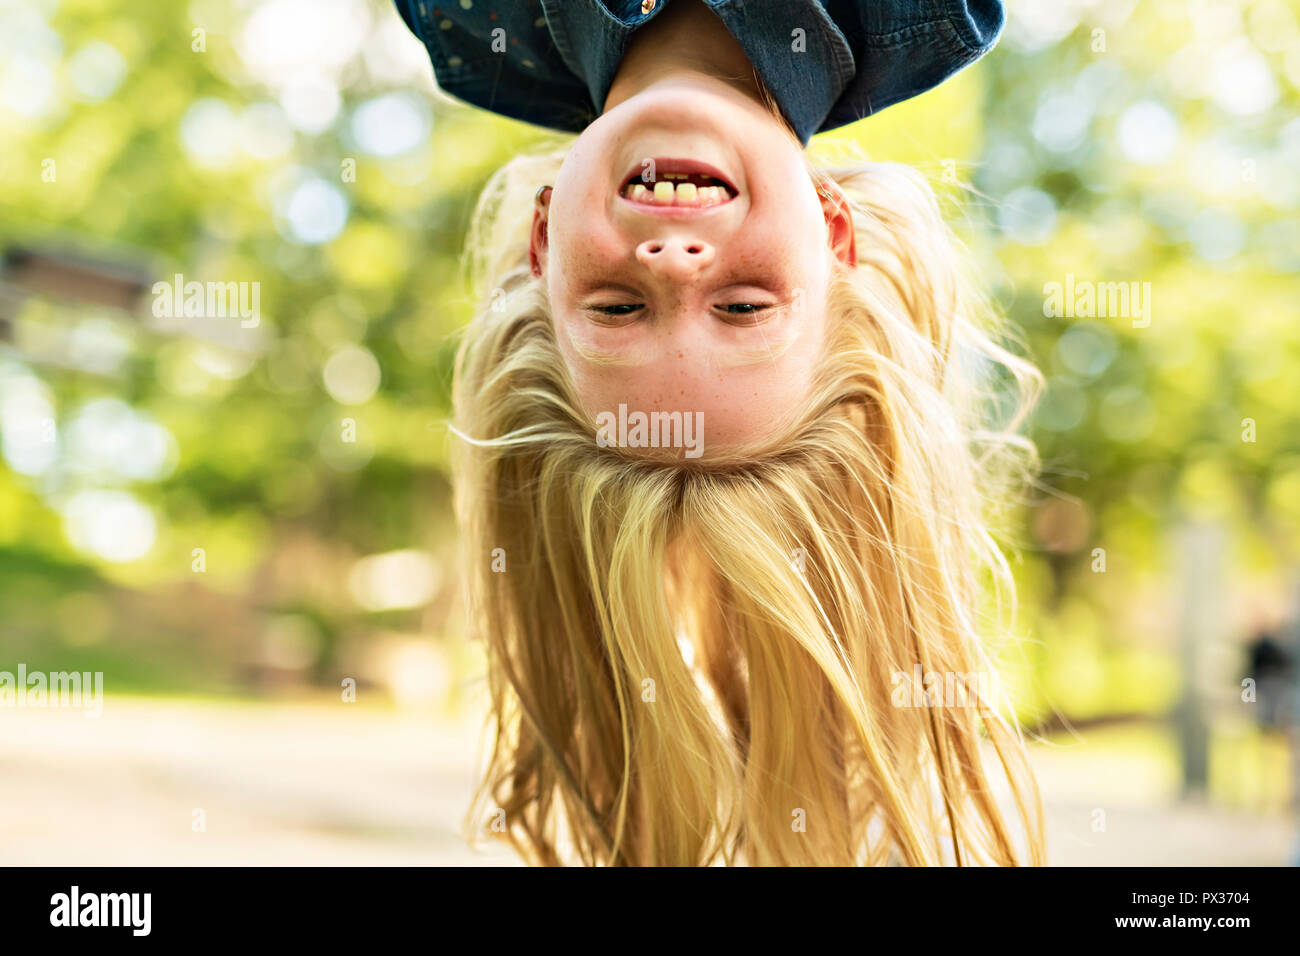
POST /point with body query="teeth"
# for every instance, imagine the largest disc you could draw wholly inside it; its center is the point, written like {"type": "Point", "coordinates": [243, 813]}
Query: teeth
{"type": "Point", "coordinates": [667, 193]}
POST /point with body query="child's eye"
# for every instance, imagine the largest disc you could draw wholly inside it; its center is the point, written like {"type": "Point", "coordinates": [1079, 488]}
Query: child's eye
{"type": "Point", "coordinates": [621, 309]}
{"type": "Point", "coordinates": [747, 314]}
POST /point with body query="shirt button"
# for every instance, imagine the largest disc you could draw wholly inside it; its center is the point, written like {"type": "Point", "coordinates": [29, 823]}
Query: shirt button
{"type": "Point", "coordinates": [647, 5]}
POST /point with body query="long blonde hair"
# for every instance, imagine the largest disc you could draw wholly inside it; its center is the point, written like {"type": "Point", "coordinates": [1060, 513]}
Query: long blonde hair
{"type": "Point", "coordinates": [695, 662]}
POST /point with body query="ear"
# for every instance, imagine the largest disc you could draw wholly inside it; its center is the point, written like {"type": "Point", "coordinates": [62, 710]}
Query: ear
{"type": "Point", "coordinates": [537, 244]}
{"type": "Point", "coordinates": [839, 222]}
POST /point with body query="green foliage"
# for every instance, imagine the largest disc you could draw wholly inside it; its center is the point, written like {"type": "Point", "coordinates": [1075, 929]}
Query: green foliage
{"type": "Point", "coordinates": [190, 164]}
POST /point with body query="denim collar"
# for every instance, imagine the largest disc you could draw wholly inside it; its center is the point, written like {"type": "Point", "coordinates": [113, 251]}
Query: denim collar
{"type": "Point", "coordinates": [801, 55]}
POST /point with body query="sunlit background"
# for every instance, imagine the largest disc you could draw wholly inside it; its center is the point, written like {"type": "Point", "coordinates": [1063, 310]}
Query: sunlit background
{"type": "Point", "coordinates": [230, 516]}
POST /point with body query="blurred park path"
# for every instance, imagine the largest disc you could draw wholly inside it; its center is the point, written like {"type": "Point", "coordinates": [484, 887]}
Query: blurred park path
{"type": "Point", "coordinates": [291, 784]}
{"type": "Point", "coordinates": [1110, 807]}
{"type": "Point", "coordinates": [335, 784]}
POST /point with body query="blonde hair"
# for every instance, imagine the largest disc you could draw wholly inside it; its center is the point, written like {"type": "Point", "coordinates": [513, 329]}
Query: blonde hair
{"type": "Point", "coordinates": [694, 662]}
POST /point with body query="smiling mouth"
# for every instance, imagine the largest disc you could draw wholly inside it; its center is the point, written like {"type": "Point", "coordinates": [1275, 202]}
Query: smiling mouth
{"type": "Point", "coordinates": [678, 183]}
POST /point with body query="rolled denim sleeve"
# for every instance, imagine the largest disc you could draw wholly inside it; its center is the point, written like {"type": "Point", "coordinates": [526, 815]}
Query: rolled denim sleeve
{"type": "Point", "coordinates": [979, 22]}
{"type": "Point", "coordinates": [904, 47]}
{"type": "Point", "coordinates": [504, 60]}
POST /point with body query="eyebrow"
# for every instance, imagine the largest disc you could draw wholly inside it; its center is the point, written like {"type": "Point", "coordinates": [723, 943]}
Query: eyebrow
{"type": "Point", "coordinates": [602, 357]}
{"type": "Point", "coordinates": [735, 358]}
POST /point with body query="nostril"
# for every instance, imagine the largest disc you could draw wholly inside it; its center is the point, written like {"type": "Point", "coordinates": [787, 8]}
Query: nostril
{"type": "Point", "coordinates": [695, 250]}
{"type": "Point", "coordinates": [655, 249]}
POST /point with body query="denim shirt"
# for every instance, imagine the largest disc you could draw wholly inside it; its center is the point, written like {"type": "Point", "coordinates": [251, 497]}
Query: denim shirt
{"type": "Point", "coordinates": [827, 62]}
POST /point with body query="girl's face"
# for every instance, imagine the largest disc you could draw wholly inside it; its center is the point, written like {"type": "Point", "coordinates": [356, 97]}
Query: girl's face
{"type": "Point", "coordinates": [705, 289]}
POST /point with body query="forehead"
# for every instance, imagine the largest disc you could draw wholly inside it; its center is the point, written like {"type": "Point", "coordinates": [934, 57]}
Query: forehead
{"type": "Point", "coordinates": [740, 392]}
{"type": "Point", "coordinates": [721, 413]}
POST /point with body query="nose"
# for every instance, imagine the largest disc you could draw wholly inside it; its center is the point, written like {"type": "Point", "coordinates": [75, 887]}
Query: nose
{"type": "Point", "coordinates": [674, 257]}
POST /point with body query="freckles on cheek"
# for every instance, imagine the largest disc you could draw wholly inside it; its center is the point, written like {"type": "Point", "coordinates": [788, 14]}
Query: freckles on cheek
{"type": "Point", "coordinates": [581, 243]}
